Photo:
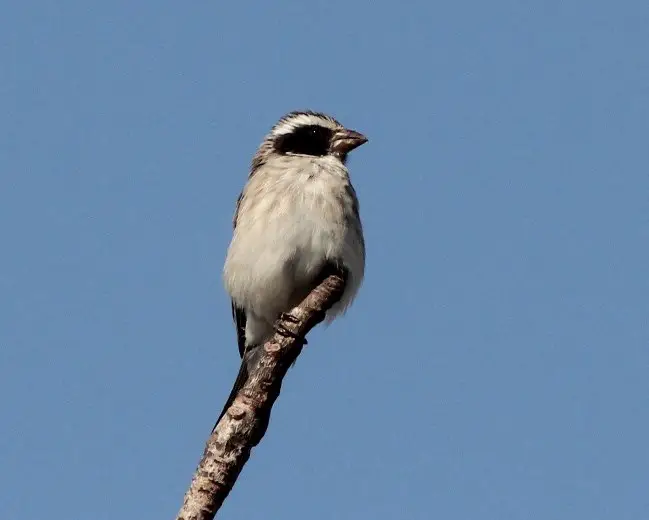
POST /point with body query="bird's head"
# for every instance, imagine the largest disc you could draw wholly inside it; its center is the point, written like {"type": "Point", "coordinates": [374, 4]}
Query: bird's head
{"type": "Point", "coordinates": [307, 133]}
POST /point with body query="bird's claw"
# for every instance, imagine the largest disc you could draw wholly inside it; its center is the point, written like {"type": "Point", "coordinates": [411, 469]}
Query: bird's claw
{"type": "Point", "coordinates": [281, 329]}
{"type": "Point", "coordinates": [285, 316]}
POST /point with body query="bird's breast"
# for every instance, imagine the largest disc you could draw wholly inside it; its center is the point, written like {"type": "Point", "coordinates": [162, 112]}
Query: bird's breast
{"type": "Point", "coordinates": [291, 222]}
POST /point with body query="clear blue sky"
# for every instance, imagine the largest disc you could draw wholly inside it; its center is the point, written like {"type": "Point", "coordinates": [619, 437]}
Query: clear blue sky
{"type": "Point", "coordinates": [496, 363]}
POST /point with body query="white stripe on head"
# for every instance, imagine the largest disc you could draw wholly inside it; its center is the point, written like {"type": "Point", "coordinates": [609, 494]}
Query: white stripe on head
{"type": "Point", "coordinates": [291, 121]}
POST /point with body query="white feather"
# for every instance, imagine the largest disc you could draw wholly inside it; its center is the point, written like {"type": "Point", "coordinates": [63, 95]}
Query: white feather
{"type": "Point", "coordinates": [296, 214]}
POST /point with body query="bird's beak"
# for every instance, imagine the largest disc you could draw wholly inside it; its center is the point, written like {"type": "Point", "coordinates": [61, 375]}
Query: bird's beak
{"type": "Point", "coordinates": [344, 141]}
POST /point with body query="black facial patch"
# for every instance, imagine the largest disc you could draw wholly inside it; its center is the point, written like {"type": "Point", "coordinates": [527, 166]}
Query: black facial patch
{"type": "Point", "coordinates": [306, 140]}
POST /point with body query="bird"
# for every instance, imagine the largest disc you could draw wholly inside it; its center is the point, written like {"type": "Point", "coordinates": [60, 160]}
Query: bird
{"type": "Point", "coordinates": [298, 213]}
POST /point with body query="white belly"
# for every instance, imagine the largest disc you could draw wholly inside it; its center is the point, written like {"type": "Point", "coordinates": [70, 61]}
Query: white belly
{"type": "Point", "coordinates": [288, 227]}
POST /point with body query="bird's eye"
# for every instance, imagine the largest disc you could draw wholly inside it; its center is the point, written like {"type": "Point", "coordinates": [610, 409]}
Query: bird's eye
{"type": "Point", "coordinates": [305, 140]}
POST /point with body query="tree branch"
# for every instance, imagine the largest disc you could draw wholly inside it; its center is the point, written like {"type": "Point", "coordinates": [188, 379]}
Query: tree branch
{"type": "Point", "coordinates": [246, 421]}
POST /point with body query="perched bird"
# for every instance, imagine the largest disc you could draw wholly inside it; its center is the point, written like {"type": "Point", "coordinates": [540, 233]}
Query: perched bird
{"type": "Point", "coordinates": [297, 213]}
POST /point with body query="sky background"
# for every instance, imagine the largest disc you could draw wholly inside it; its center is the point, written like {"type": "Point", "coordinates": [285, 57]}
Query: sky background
{"type": "Point", "coordinates": [496, 362]}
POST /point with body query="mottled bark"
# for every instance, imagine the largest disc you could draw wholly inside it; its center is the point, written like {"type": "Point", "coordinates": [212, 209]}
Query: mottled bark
{"type": "Point", "coordinates": [245, 422]}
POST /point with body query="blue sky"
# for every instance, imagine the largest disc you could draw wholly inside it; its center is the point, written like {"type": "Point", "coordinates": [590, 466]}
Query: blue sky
{"type": "Point", "coordinates": [495, 364]}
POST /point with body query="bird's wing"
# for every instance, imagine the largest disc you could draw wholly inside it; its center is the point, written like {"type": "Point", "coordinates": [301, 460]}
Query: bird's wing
{"type": "Point", "coordinates": [238, 313]}
{"type": "Point", "coordinates": [239, 316]}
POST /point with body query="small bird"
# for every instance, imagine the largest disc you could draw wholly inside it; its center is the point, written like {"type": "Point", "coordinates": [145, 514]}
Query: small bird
{"type": "Point", "coordinates": [297, 213]}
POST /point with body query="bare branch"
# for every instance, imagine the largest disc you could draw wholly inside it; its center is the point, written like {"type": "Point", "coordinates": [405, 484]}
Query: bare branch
{"type": "Point", "coordinates": [246, 421]}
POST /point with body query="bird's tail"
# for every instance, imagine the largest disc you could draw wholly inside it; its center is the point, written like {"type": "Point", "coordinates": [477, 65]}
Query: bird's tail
{"type": "Point", "coordinates": [241, 379]}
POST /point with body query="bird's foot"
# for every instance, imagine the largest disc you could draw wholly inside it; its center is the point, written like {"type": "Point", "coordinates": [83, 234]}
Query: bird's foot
{"type": "Point", "coordinates": [285, 316]}
{"type": "Point", "coordinates": [281, 329]}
